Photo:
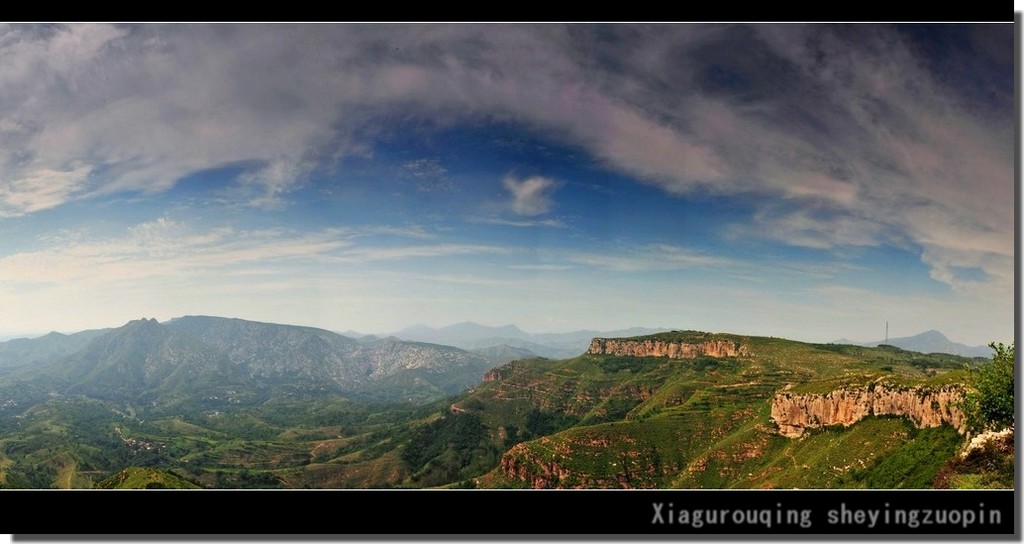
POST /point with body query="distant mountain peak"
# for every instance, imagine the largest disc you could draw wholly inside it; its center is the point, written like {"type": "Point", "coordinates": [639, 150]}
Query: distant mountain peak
{"type": "Point", "coordinates": [930, 341]}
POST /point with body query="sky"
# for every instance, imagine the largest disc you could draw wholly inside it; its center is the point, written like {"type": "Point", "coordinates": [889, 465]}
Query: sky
{"type": "Point", "coordinates": [811, 182]}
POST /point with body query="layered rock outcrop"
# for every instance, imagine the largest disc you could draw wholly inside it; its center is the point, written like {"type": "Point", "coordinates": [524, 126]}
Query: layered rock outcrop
{"type": "Point", "coordinates": [926, 407]}
{"type": "Point", "coordinates": [662, 348]}
{"type": "Point", "coordinates": [493, 375]}
{"type": "Point", "coordinates": [520, 464]}
{"type": "Point", "coordinates": [554, 463]}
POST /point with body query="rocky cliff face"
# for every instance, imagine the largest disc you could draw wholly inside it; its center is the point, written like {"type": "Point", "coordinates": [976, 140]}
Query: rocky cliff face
{"type": "Point", "coordinates": [926, 407]}
{"type": "Point", "coordinates": [493, 375]}
{"type": "Point", "coordinates": [519, 464]}
{"type": "Point", "coordinates": [661, 348]}
{"type": "Point", "coordinates": [549, 463]}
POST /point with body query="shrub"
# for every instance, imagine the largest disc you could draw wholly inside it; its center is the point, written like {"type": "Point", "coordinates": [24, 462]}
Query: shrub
{"type": "Point", "coordinates": [989, 402]}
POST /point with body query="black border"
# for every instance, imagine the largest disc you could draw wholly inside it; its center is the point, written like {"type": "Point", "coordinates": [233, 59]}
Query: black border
{"type": "Point", "coordinates": [420, 514]}
{"type": "Point", "coordinates": [286, 515]}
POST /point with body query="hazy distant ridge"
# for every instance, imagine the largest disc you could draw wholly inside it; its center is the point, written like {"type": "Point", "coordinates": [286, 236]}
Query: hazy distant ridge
{"type": "Point", "coordinates": [202, 356]}
{"type": "Point", "coordinates": [473, 336]}
{"type": "Point", "coordinates": [931, 341]}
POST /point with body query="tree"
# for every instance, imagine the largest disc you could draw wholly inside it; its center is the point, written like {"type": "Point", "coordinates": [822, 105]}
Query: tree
{"type": "Point", "coordinates": [989, 402]}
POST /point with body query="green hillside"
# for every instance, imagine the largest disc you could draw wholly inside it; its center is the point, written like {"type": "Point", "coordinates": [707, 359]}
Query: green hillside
{"type": "Point", "coordinates": [145, 478]}
{"type": "Point", "coordinates": [589, 421]}
{"type": "Point", "coordinates": [705, 422]}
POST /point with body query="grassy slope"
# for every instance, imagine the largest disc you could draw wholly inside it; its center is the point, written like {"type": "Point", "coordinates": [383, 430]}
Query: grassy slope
{"type": "Point", "coordinates": [77, 442]}
{"type": "Point", "coordinates": [598, 420]}
{"type": "Point", "coordinates": [145, 478]}
{"type": "Point", "coordinates": [706, 424]}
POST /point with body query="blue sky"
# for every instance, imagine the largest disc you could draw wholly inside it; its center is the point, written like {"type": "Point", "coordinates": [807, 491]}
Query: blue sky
{"type": "Point", "coordinates": [804, 181]}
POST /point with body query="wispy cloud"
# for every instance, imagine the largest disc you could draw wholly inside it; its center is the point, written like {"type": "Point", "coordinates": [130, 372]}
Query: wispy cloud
{"type": "Point", "coordinates": [366, 255]}
{"type": "Point", "coordinates": [165, 248]}
{"type": "Point", "coordinates": [40, 190]}
{"type": "Point", "coordinates": [423, 168]}
{"type": "Point", "coordinates": [542, 267]}
{"type": "Point", "coordinates": [649, 258]}
{"type": "Point", "coordinates": [530, 196]}
{"type": "Point", "coordinates": [167, 267]}
{"type": "Point", "coordinates": [855, 119]}
{"type": "Point", "coordinates": [523, 223]}
{"type": "Point", "coordinates": [429, 174]}
{"type": "Point", "coordinates": [162, 248]}
{"type": "Point", "coordinates": [835, 136]}
{"type": "Point", "coordinates": [807, 227]}
{"type": "Point", "coordinates": [273, 180]}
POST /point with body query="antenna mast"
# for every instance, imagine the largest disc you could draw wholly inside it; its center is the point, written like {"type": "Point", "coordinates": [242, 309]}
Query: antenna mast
{"type": "Point", "coordinates": [886, 332]}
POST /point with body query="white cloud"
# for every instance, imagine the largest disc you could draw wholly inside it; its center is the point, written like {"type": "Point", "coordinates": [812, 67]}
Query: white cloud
{"type": "Point", "coordinates": [804, 227]}
{"type": "Point", "coordinates": [847, 123]}
{"type": "Point", "coordinates": [273, 180]}
{"type": "Point", "coordinates": [162, 249]}
{"type": "Point", "coordinates": [531, 196]}
{"type": "Point", "coordinates": [166, 267]}
{"type": "Point", "coordinates": [149, 104]}
{"type": "Point", "coordinates": [171, 251]}
{"type": "Point", "coordinates": [41, 190]}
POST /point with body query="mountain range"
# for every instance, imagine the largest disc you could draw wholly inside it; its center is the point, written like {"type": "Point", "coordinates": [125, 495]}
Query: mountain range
{"type": "Point", "coordinates": [206, 357]}
{"type": "Point", "coordinates": [194, 357]}
{"type": "Point", "coordinates": [931, 341]}
{"type": "Point", "coordinates": [202, 357]}
{"type": "Point", "coordinates": [474, 336]}
{"type": "Point", "coordinates": [220, 402]}
{"type": "Point", "coordinates": [29, 352]}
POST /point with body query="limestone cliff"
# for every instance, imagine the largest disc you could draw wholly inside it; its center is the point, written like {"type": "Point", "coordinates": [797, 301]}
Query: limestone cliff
{"type": "Point", "coordinates": [926, 407]}
{"type": "Point", "coordinates": [663, 348]}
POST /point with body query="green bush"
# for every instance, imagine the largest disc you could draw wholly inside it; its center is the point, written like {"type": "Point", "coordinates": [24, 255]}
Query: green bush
{"type": "Point", "coordinates": [915, 464]}
{"type": "Point", "coordinates": [989, 402]}
{"type": "Point", "coordinates": [449, 449]}
{"type": "Point", "coordinates": [613, 364]}
{"type": "Point", "coordinates": [540, 423]}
